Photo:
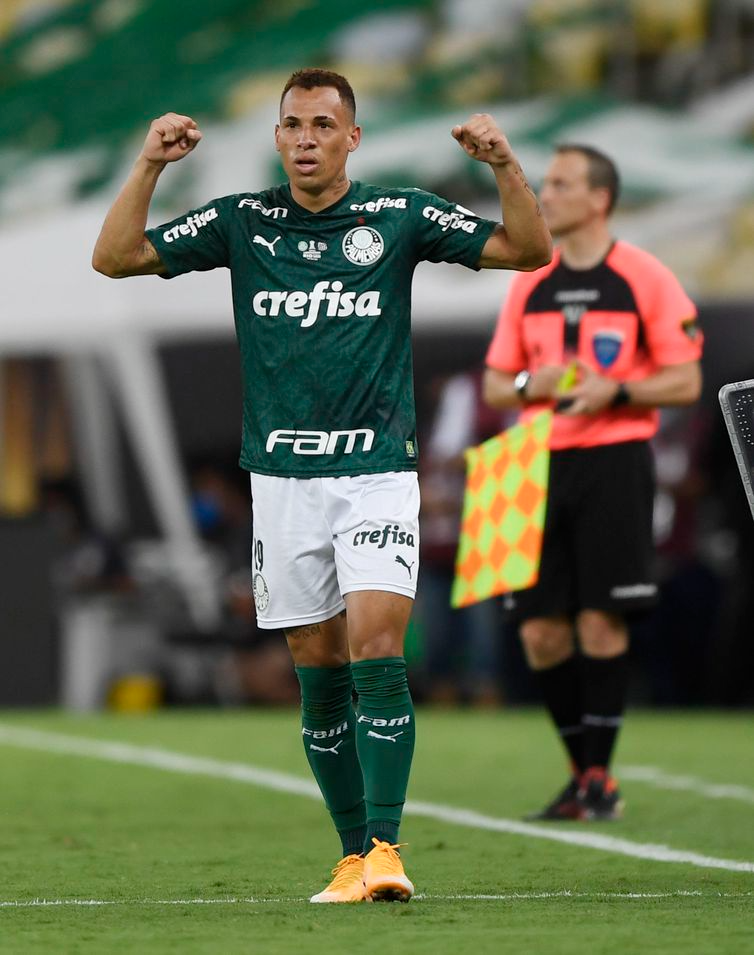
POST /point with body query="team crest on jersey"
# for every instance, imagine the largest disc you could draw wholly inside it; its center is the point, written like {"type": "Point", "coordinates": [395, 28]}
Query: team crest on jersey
{"type": "Point", "coordinates": [312, 250]}
{"type": "Point", "coordinates": [606, 346]}
{"type": "Point", "coordinates": [363, 245]}
{"type": "Point", "coordinates": [261, 593]}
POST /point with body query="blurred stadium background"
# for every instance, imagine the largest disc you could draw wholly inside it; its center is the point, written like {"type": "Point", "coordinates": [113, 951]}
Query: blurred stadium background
{"type": "Point", "coordinates": [123, 518]}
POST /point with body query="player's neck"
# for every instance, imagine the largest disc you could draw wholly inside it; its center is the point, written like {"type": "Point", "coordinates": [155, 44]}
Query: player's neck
{"type": "Point", "coordinates": [315, 201]}
{"type": "Point", "coordinates": [585, 248]}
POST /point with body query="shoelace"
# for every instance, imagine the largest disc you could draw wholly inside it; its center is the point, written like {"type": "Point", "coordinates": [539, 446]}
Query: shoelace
{"type": "Point", "coordinates": [391, 856]}
{"type": "Point", "coordinates": [341, 870]}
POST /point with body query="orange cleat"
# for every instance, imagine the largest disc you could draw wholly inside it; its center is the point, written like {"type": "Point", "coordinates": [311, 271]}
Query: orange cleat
{"type": "Point", "coordinates": [384, 878]}
{"type": "Point", "coordinates": [347, 884]}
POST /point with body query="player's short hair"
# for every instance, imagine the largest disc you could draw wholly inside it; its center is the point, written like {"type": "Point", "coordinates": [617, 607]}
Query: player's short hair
{"type": "Point", "coordinates": [313, 78]}
{"type": "Point", "coordinates": [602, 173]}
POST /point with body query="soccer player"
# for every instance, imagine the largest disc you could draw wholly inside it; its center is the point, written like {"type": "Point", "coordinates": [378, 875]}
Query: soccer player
{"type": "Point", "coordinates": [321, 271]}
{"type": "Point", "coordinates": [618, 318]}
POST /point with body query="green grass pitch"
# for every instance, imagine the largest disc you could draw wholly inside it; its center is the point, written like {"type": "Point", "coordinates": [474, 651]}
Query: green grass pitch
{"type": "Point", "coordinates": [172, 861]}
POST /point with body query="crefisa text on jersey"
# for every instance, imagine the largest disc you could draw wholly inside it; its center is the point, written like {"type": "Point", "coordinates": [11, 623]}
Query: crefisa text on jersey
{"type": "Point", "coordinates": [449, 220]}
{"type": "Point", "coordinates": [191, 226]}
{"type": "Point", "coordinates": [306, 305]}
{"type": "Point", "coordinates": [384, 202]}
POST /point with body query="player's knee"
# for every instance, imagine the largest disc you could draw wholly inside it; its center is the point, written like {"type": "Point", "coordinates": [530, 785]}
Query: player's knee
{"type": "Point", "coordinates": [546, 642]}
{"type": "Point", "coordinates": [602, 635]}
{"type": "Point", "coordinates": [376, 646]}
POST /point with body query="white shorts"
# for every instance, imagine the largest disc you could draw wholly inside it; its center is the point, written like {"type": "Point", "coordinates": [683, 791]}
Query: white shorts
{"type": "Point", "coordinates": [316, 539]}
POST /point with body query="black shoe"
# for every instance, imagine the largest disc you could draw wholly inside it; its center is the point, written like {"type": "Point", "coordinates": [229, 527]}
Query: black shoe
{"type": "Point", "coordinates": [564, 807]}
{"type": "Point", "coordinates": [599, 797]}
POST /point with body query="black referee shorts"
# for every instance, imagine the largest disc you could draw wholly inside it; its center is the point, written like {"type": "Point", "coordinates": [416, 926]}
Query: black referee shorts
{"type": "Point", "coordinates": [597, 551]}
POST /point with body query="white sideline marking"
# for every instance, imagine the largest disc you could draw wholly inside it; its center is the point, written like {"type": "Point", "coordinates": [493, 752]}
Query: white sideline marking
{"type": "Point", "coordinates": [692, 784]}
{"type": "Point", "coordinates": [508, 897]}
{"type": "Point", "coordinates": [283, 782]}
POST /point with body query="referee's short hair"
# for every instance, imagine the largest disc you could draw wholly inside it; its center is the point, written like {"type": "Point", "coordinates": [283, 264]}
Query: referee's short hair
{"type": "Point", "coordinates": [602, 173]}
{"type": "Point", "coordinates": [312, 78]}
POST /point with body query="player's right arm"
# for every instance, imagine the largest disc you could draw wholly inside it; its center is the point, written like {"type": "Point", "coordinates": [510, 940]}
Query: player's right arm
{"type": "Point", "coordinates": [122, 248]}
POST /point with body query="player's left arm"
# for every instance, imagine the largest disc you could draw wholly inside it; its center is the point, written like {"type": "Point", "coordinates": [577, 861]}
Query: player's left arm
{"type": "Point", "coordinates": [523, 242]}
{"type": "Point", "coordinates": [679, 384]}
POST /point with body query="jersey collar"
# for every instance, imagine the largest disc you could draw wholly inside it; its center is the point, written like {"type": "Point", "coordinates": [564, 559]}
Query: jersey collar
{"type": "Point", "coordinates": [286, 188]}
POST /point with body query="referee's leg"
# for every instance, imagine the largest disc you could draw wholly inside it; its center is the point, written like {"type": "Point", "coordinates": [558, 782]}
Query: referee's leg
{"type": "Point", "coordinates": [604, 640]}
{"type": "Point", "coordinates": [550, 648]}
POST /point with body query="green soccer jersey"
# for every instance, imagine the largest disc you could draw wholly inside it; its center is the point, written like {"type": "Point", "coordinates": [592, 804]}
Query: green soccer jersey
{"type": "Point", "coordinates": [322, 304]}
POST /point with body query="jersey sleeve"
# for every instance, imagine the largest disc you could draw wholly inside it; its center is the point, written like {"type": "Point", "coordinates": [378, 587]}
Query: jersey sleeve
{"type": "Point", "coordinates": [668, 314]}
{"type": "Point", "coordinates": [196, 242]}
{"type": "Point", "coordinates": [447, 232]}
{"type": "Point", "coordinates": [506, 351]}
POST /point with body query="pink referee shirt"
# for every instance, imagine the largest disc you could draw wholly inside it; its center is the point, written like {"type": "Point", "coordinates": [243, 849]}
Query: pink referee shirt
{"type": "Point", "coordinates": [626, 318]}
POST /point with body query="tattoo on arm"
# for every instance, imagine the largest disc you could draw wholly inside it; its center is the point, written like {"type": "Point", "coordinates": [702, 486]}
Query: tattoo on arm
{"type": "Point", "coordinates": [149, 260]}
{"type": "Point", "coordinates": [520, 174]}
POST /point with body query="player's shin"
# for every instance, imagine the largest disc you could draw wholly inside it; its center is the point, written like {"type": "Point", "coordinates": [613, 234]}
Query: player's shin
{"type": "Point", "coordinates": [328, 730]}
{"type": "Point", "coordinates": [385, 735]}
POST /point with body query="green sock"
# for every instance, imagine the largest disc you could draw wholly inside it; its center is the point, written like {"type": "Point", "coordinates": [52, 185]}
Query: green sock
{"type": "Point", "coordinates": [328, 730]}
{"type": "Point", "coordinates": [385, 736]}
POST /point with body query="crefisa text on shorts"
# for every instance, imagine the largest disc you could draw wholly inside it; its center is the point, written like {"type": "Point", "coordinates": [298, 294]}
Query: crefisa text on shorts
{"type": "Point", "coordinates": [389, 534]}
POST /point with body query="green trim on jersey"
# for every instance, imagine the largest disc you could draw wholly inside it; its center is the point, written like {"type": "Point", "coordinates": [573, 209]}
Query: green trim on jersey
{"type": "Point", "coordinates": [322, 305]}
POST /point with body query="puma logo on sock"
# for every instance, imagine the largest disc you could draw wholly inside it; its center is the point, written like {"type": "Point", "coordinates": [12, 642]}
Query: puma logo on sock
{"type": "Point", "coordinates": [380, 736]}
{"type": "Point", "coordinates": [326, 749]}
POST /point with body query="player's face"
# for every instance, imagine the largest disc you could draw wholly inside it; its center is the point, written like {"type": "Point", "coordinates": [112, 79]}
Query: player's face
{"type": "Point", "coordinates": [314, 137]}
{"type": "Point", "coordinates": [568, 202]}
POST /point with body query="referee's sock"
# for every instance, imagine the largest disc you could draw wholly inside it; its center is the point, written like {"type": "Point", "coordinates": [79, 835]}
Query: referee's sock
{"type": "Point", "coordinates": [561, 690]}
{"type": "Point", "coordinates": [328, 724]}
{"type": "Point", "coordinates": [604, 687]}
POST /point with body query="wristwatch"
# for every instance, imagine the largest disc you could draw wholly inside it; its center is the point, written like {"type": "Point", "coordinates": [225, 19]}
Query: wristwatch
{"type": "Point", "coordinates": [622, 396]}
{"type": "Point", "coordinates": [520, 382]}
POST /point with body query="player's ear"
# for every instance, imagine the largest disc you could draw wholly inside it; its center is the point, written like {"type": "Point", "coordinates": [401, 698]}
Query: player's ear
{"type": "Point", "coordinates": [354, 139]}
{"type": "Point", "coordinates": [277, 136]}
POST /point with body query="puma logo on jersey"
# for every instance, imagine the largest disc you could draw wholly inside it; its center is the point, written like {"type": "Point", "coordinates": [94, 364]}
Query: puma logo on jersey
{"type": "Point", "coordinates": [408, 567]}
{"type": "Point", "coordinates": [393, 738]}
{"type": "Point", "coordinates": [326, 749]}
{"type": "Point", "coordinates": [270, 246]}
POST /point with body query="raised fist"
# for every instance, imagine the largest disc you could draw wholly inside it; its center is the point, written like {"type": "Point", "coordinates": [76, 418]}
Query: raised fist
{"type": "Point", "coordinates": [170, 138]}
{"type": "Point", "coordinates": [481, 138]}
